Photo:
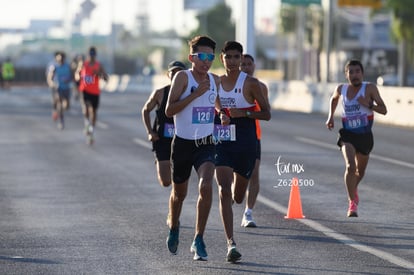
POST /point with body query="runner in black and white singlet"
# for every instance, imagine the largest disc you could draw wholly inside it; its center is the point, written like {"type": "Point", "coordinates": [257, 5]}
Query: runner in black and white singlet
{"type": "Point", "coordinates": [237, 144]}
{"type": "Point", "coordinates": [236, 147]}
{"type": "Point", "coordinates": [359, 101]}
{"type": "Point", "coordinates": [193, 102]}
{"type": "Point", "coordinates": [161, 131]}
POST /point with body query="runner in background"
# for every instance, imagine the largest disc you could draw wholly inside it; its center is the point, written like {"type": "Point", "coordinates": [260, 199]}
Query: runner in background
{"type": "Point", "coordinates": [161, 131]}
{"type": "Point", "coordinates": [359, 102]}
{"type": "Point", "coordinates": [7, 73]}
{"type": "Point", "coordinates": [59, 80]}
{"type": "Point", "coordinates": [90, 74]}
{"type": "Point", "coordinates": [248, 66]}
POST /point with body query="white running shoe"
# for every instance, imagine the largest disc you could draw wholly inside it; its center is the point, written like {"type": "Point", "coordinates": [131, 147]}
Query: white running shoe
{"type": "Point", "coordinates": [233, 255]}
{"type": "Point", "coordinates": [248, 221]}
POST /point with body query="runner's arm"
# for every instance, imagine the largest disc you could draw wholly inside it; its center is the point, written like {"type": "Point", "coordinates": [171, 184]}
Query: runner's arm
{"type": "Point", "coordinates": [149, 105]}
{"type": "Point", "coordinates": [379, 105]}
{"type": "Point", "coordinates": [333, 103]}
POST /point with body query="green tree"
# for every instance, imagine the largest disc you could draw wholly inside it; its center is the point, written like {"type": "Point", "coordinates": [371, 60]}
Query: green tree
{"type": "Point", "coordinates": [403, 31]}
{"type": "Point", "coordinates": [216, 23]}
{"type": "Point", "coordinates": [310, 19]}
{"type": "Point", "coordinates": [288, 19]}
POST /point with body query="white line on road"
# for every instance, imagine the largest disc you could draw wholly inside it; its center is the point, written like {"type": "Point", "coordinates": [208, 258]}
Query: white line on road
{"type": "Point", "coordinates": [341, 237]}
{"type": "Point", "coordinates": [319, 227]}
{"type": "Point", "coordinates": [374, 156]}
{"type": "Point", "coordinates": [102, 125]}
{"type": "Point", "coordinates": [143, 143]}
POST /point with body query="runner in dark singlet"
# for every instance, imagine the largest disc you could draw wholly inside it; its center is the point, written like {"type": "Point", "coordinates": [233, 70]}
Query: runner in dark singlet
{"type": "Point", "coordinates": [161, 131]}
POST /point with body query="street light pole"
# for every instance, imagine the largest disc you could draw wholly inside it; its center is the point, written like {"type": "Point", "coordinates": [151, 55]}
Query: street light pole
{"type": "Point", "coordinates": [246, 33]}
{"type": "Point", "coordinates": [327, 38]}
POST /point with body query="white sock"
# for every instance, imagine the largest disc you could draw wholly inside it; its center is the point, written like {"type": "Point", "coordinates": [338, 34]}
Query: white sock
{"type": "Point", "coordinates": [248, 211]}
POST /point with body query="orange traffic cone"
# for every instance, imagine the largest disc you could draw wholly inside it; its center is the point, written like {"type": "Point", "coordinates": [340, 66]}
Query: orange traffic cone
{"type": "Point", "coordinates": [295, 206]}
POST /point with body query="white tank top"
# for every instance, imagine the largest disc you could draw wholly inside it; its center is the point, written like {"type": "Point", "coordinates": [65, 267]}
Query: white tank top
{"type": "Point", "coordinates": [356, 117]}
{"type": "Point", "coordinates": [235, 98]}
{"type": "Point", "coordinates": [196, 120]}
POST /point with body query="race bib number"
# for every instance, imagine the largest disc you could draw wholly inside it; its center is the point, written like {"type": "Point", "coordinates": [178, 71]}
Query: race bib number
{"type": "Point", "coordinates": [203, 115]}
{"type": "Point", "coordinates": [354, 122]}
{"type": "Point", "coordinates": [168, 130]}
{"type": "Point", "coordinates": [89, 79]}
{"type": "Point", "coordinates": [225, 132]}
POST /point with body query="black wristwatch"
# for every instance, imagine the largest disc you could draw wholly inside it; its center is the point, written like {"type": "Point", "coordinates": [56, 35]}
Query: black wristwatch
{"type": "Point", "coordinates": [371, 105]}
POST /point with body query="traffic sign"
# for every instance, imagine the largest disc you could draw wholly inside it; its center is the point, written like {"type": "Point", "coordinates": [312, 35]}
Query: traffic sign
{"type": "Point", "coordinates": [301, 2]}
{"type": "Point", "coordinates": [361, 3]}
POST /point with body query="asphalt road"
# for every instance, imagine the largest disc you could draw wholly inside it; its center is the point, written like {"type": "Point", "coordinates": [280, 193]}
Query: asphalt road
{"type": "Point", "coordinates": [68, 208]}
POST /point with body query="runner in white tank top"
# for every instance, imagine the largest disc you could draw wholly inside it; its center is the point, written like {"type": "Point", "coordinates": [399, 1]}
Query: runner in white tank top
{"type": "Point", "coordinates": [196, 120]}
{"type": "Point", "coordinates": [359, 100]}
{"type": "Point", "coordinates": [193, 101]}
{"type": "Point", "coordinates": [356, 118]}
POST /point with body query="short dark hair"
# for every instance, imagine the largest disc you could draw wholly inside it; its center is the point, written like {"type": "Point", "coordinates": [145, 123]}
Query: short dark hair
{"type": "Point", "coordinates": [176, 65]}
{"type": "Point", "coordinates": [232, 45]}
{"type": "Point", "coordinates": [92, 50]}
{"type": "Point", "coordinates": [354, 62]}
{"type": "Point", "coordinates": [63, 55]}
{"type": "Point", "coordinates": [246, 55]}
{"type": "Point", "coordinates": [201, 40]}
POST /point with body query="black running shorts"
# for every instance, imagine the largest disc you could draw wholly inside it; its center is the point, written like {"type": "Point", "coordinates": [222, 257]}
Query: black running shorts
{"type": "Point", "coordinates": [188, 153]}
{"type": "Point", "coordinates": [363, 143]}
{"type": "Point", "coordinates": [162, 149]}
{"type": "Point", "coordinates": [258, 150]}
{"type": "Point", "coordinates": [90, 99]}
{"type": "Point", "coordinates": [242, 162]}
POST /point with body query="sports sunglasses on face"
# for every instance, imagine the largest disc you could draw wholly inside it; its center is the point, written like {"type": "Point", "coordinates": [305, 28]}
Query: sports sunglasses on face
{"type": "Point", "coordinates": [204, 56]}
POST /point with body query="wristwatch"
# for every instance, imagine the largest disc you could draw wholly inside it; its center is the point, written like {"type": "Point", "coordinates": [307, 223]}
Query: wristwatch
{"type": "Point", "coordinates": [371, 105]}
{"type": "Point", "coordinates": [248, 113]}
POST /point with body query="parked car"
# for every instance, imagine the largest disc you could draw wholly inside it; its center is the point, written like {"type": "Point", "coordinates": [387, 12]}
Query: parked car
{"type": "Point", "coordinates": [392, 80]}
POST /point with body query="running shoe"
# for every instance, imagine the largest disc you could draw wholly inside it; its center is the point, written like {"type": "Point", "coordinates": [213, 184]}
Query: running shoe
{"type": "Point", "coordinates": [199, 249]}
{"type": "Point", "coordinates": [90, 130]}
{"type": "Point", "coordinates": [172, 240]}
{"type": "Point", "coordinates": [352, 210]}
{"type": "Point", "coordinates": [248, 221]}
{"type": "Point", "coordinates": [232, 254]}
{"type": "Point", "coordinates": [356, 198]}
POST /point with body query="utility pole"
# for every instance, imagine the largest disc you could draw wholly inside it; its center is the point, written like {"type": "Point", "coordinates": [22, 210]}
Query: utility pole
{"type": "Point", "coordinates": [245, 27]}
{"type": "Point", "coordinates": [327, 38]}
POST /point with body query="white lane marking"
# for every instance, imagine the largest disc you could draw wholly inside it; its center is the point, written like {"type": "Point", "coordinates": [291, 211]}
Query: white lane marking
{"type": "Point", "coordinates": [323, 229]}
{"type": "Point", "coordinates": [143, 143]}
{"type": "Point", "coordinates": [102, 125]}
{"type": "Point", "coordinates": [374, 156]}
{"type": "Point", "coordinates": [341, 237]}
